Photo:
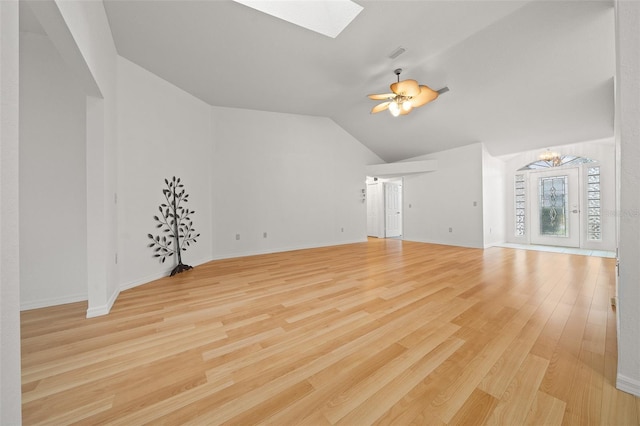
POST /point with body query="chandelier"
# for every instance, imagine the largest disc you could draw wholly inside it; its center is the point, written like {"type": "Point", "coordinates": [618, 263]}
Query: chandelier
{"type": "Point", "coordinates": [553, 158]}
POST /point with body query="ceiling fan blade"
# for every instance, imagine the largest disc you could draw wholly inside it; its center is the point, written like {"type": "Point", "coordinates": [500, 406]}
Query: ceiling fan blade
{"type": "Point", "coordinates": [426, 95]}
{"type": "Point", "coordinates": [406, 88]}
{"type": "Point", "coordinates": [382, 96]}
{"type": "Point", "coordinates": [380, 107]}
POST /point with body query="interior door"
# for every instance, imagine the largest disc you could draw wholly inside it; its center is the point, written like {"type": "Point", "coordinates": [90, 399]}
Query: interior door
{"type": "Point", "coordinates": [392, 209]}
{"type": "Point", "coordinates": [375, 210]}
{"type": "Point", "coordinates": [555, 207]}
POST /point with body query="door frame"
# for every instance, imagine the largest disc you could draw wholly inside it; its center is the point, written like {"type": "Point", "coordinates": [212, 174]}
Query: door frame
{"type": "Point", "coordinates": [399, 213]}
{"type": "Point", "coordinates": [374, 184]}
{"type": "Point", "coordinates": [574, 208]}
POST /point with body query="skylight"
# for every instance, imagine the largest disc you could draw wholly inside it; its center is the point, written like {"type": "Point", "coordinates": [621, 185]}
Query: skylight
{"type": "Point", "coordinates": [327, 17]}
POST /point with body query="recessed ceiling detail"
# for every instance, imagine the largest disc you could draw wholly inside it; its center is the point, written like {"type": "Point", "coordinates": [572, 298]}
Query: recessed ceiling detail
{"type": "Point", "coordinates": [327, 17]}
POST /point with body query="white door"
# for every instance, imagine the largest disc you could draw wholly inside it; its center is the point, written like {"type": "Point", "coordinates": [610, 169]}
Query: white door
{"type": "Point", "coordinates": [375, 210]}
{"type": "Point", "coordinates": [555, 207]}
{"type": "Point", "coordinates": [392, 209]}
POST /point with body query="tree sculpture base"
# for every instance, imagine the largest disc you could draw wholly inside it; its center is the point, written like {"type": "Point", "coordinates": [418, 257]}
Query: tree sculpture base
{"type": "Point", "coordinates": [180, 268]}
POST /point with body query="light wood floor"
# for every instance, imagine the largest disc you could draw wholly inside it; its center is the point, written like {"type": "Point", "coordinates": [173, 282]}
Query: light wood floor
{"type": "Point", "coordinates": [372, 333]}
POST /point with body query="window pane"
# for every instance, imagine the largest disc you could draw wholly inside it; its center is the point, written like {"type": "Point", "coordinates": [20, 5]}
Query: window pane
{"type": "Point", "coordinates": [593, 195]}
{"type": "Point", "coordinates": [553, 206]}
{"type": "Point", "coordinates": [520, 194]}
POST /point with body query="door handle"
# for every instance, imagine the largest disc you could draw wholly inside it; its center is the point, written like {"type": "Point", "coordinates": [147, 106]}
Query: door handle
{"type": "Point", "coordinates": [574, 211]}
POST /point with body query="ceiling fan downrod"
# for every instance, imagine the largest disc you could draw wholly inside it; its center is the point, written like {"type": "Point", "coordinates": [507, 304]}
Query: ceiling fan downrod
{"type": "Point", "coordinates": [397, 72]}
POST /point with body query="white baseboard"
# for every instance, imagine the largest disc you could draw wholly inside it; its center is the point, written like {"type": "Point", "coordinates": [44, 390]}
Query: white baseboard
{"type": "Point", "coordinates": [494, 244]}
{"type": "Point", "coordinates": [284, 249]}
{"type": "Point", "coordinates": [629, 385]}
{"type": "Point", "coordinates": [444, 243]}
{"type": "Point", "coordinates": [98, 311]}
{"type": "Point", "coordinates": [55, 301]}
{"type": "Point", "coordinates": [165, 271]}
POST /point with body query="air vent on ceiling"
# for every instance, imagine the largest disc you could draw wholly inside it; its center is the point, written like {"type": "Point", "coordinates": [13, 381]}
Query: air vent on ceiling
{"type": "Point", "coordinates": [397, 52]}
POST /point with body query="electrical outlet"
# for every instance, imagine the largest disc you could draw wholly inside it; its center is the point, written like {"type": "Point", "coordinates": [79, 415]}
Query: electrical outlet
{"type": "Point", "coordinates": [237, 236]}
{"type": "Point", "coordinates": [341, 229]}
{"type": "Point", "coordinates": [450, 229]}
{"type": "Point", "coordinates": [264, 235]}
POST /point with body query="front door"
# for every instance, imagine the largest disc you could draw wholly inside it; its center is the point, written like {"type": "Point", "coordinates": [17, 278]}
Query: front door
{"type": "Point", "coordinates": [555, 207]}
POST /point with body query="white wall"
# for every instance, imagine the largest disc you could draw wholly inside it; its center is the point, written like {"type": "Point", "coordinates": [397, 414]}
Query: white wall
{"type": "Point", "coordinates": [10, 391]}
{"type": "Point", "coordinates": [443, 199]}
{"type": "Point", "coordinates": [602, 151]}
{"type": "Point", "coordinates": [53, 203]}
{"type": "Point", "coordinates": [80, 32]}
{"type": "Point", "coordinates": [297, 178]}
{"type": "Point", "coordinates": [628, 132]}
{"type": "Point", "coordinates": [85, 38]}
{"type": "Point", "coordinates": [162, 132]}
{"type": "Point", "coordinates": [494, 199]}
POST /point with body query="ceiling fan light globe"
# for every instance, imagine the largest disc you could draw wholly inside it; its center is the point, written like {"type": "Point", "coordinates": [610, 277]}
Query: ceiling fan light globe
{"type": "Point", "coordinates": [394, 109]}
{"type": "Point", "coordinates": [407, 105]}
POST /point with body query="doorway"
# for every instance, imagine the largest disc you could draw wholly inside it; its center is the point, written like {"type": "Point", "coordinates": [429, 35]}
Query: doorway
{"type": "Point", "coordinates": [384, 207]}
{"type": "Point", "coordinates": [555, 207]}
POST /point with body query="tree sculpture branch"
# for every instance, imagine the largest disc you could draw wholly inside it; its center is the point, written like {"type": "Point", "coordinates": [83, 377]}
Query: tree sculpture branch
{"type": "Point", "coordinates": [175, 224]}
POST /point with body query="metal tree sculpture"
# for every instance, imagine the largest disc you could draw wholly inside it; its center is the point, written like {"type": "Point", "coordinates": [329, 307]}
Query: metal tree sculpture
{"type": "Point", "coordinates": [178, 232]}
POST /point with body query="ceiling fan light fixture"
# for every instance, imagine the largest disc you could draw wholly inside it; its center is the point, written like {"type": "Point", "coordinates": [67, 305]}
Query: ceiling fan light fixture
{"type": "Point", "coordinates": [407, 95]}
{"type": "Point", "coordinates": [394, 108]}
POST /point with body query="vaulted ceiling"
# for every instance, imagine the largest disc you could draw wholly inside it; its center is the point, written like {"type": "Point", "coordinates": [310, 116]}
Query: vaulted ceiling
{"type": "Point", "coordinates": [522, 74]}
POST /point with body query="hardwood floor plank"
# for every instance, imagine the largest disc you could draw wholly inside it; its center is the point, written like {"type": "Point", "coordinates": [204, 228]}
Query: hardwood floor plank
{"type": "Point", "coordinates": [521, 393]}
{"type": "Point", "coordinates": [403, 382]}
{"type": "Point", "coordinates": [382, 332]}
{"type": "Point", "coordinates": [546, 410]}
{"type": "Point", "coordinates": [331, 386]}
{"type": "Point", "coordinates": [503, 371]}
{"type": "Point", "coordinates": [475, 410]}
{"type": "Point", "coordinates": [78, 414]}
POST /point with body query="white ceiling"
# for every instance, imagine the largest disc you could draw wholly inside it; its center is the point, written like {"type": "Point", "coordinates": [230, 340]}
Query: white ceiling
{"type": "Point", "coordinates": [522, 75]}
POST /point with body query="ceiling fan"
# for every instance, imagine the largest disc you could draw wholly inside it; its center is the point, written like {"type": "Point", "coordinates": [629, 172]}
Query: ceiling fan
{"type": "Point", "coordinates": [407, 94]}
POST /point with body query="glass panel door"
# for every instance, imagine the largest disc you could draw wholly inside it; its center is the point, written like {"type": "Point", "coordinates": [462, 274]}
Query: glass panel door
{"type": "Point", "coordinates": [553, 205]}
{"type": "Point", "coordinates": [555, 218]}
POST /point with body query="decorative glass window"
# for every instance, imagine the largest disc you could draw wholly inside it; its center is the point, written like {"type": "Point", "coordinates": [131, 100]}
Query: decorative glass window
{"type": "Point", "coordinates": [564, 160]}
{"type": "Point", "coordinates": [553, 206]}
{"type": "Point", "coordinates": [520, 205]}
{"type": "Point", "coordinates": [593, 199]}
